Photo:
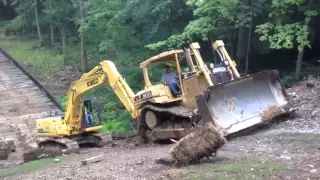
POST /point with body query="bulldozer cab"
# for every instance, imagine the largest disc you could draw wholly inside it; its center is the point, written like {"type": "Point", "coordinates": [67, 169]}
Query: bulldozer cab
{"type": "Point", "coordinates": [171, 78]}
{"type": "Point", "coordinates": [188, 76]}
{"type": "Point", "coordinates": [91, 115]}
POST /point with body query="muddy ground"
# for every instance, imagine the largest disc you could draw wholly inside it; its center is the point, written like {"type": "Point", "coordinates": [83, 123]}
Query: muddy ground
{"type": "Point", "coordinates": [289, 149]}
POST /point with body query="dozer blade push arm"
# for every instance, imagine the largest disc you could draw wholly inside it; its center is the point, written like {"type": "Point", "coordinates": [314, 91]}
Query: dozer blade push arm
{"type": "Point", "coordinates": [200, 63]}
{"type": "Point", "coordinates": [219, 46]}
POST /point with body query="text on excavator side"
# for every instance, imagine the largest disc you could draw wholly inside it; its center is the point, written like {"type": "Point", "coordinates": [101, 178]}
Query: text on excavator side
{"type": "Point", "coordinates": [92, 82]}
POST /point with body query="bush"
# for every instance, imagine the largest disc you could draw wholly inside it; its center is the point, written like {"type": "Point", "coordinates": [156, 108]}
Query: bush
{"type": "Point", "coordinates": [288, 80]}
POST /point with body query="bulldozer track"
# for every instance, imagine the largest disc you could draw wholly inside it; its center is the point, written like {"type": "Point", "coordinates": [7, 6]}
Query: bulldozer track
{"type": "Point", "coordinates": [175, 110]}
{"type": "Point", "coordinates": [169, 128]}
{"type": "Point", "coordinates": [23, 99]}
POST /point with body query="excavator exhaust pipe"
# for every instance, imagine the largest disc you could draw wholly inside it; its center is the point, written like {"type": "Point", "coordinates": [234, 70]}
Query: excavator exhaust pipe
{"type": "Point", "coordinates": [244, 102]}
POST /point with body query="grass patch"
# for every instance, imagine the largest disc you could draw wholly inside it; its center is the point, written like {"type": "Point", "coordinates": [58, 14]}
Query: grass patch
{"type": "Point", "coordinates": [40, 59]}
{"type": "Point", "coordinates": [247, 168]}
{"type": "Point", "coordinates": [32, 165]}
{"type": "Point", "coordinates": [296, 137]}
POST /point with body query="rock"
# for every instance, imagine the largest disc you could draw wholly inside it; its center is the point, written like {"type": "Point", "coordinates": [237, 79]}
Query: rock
{"type": "Point", "coordinates": [313, 170]}
{"type": "Point", "coordinates": [139, 162]}
{"type": "Point", "coordinates": [6, 147]}
{"type": "Point", "coordinates": [310, 84]}
{"type": "Point", "coordinates": [164, 161]}
{"type": "Point", "coordinates": [31, 154]}
{"type": "Point", "coordinates": [285, 157]}
{"type": "Point", "coordinates": [310, 165]}
{"type": "Point", "coordinates": [292, 94]}
{"type": "Point", "coordinates": [63, 79]}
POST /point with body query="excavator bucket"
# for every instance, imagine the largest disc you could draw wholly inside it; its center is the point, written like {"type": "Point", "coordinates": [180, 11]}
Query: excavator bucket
{"type": "Point", "coordinates": [244, 102]}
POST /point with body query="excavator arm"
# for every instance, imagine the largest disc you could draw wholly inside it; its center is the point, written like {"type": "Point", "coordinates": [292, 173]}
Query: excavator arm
{"type": "Point", "coordinates": [76, 91]}
{"type": "Point", "coordinates": [105, 73]}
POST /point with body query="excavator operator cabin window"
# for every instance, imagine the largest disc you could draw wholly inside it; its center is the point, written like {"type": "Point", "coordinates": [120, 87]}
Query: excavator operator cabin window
{"type": "Point", "coordinates": [88, 105]}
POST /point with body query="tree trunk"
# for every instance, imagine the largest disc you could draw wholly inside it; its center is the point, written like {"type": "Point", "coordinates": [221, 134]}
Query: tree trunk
{"type": "Point", "coordinates": [249, 40]}
{"type": "Point", "coordinates": [84, 60]}
{"type": "Point", "coordinates": [241, 47]}
{"type": "Point", "coordinates": [297, 74]}
{"type": "Point", "coordinates": [63, 33]}
{"type": "Point", "coordinates": [51, 28]}
{"type": "Point", "coordinates": [298, 65]}
{"type": "Point", "coordinates": [37, 21]}
{"type": "Point", "coordinates": [52, 34]}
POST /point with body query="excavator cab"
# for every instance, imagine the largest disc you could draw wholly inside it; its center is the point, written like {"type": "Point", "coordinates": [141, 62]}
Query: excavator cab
{"type": "Point", "coordinates": [91, 115]}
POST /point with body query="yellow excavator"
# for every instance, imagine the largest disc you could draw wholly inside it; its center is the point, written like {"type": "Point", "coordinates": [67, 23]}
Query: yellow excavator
{"type": "Point", "coordinates": [217, 95]}
{"type": "Point", "coordinates": [81, 122]}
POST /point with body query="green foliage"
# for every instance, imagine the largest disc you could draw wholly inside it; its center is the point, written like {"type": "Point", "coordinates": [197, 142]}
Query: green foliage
{"type": "Point", "coordinates": [115, 126]}
{"type": "Point", "coordinates": [247, 168]}
{"type": "Point", "coordinates": [284, 36]}
{"type": "Point", "coordinates": [284, 32]}
{"type": "Point", "coordinates": [214, 18]}
{"type": "Point", "coordinates": [40, 60]}
{"type": "Point", "coordinates": [62, 100]}
{"type": "Point", "coordinates": [32, 165]}
{"type": "Point", "coordinates": [288, 79]}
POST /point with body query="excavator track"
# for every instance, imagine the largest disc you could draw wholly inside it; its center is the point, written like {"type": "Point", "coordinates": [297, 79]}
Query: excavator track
{"type": "Point", "coordinates": [58, 145]}
{"type": "Point", "coordinates": [185, 120]}
{"type": "Point", "coordinates": [72, 143]}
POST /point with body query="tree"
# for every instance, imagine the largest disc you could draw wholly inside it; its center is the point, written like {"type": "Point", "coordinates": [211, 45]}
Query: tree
{"type": "Point", "coordinates": [214, 18]}
{"type": "Point", "coordinates": [289, 27]}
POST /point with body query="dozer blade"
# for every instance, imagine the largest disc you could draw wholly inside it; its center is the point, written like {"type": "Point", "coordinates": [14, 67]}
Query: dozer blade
{"type": "Point", "coordinates": [244, 102]}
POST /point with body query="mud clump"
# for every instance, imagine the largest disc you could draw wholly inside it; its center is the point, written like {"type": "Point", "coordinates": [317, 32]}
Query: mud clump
{"type": "Point", "coordinates": [204, 142]}
{"type": "Point", "coordinates": [270, 113]}
{"type": "Point", "coordinates": [6, 147]}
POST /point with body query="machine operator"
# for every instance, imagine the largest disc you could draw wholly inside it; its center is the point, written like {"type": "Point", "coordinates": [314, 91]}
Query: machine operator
{"type": "Point", "coordinates": [170, 78]}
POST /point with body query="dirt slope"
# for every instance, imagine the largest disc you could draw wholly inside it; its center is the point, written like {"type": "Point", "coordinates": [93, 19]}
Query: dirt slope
{"type": "Point", "coordinates": [22, 101]}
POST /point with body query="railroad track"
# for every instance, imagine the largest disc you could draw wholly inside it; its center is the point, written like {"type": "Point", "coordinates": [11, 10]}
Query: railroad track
{"type": "Point", "coordinates": [22, 101]}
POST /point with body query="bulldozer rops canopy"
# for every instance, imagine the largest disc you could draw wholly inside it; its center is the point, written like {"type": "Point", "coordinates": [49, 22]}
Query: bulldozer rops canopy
{"type": "Point", "coordinates": [243, 102]}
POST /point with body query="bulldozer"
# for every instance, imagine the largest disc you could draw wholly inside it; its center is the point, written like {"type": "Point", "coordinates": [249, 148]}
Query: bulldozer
{"type": "Point", "coordinates": [217, 95]}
